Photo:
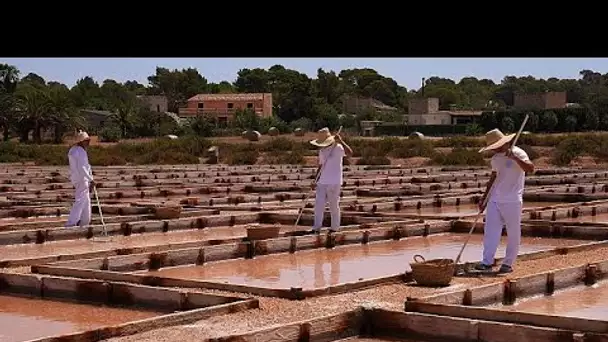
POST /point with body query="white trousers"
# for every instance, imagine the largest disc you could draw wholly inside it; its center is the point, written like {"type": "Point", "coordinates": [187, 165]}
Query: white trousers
{"type": "Point", "coordinates": [81, 210]}
{"type": "Point", "coordinates": [327, 193]}
{"type": "Point", "coordinates": [497, 216]}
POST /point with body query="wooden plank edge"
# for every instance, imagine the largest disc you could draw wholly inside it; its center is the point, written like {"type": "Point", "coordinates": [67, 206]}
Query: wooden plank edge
{"type": "Point", "coordinates": [325, 328]}
{"type": "Point", "coordinates": [415, 325]}
{"type": "Point", "coordinates": [357, 285]}
{"type": "Point", "coordinates": [513, 317]}
{"type": "Point", "coordinates": [92, 290]}
{"type": "Point", "coordinates": [62, 234]}
{"type": "Point", "coordinates": [164, 321]}
{"type": "Point", "coordinates": [417, 229]}
{"type": "Point", "coordinates": [530, 285]}
{"type": "Point", "coordinates": [286, 293]}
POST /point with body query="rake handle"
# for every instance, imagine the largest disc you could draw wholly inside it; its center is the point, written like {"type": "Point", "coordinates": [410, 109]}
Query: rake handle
{"type": "Point", "coordinates": [103, 224]}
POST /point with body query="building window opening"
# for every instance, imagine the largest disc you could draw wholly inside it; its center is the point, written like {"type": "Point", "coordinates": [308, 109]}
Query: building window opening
{"type": "Point", "coordinates": [158, 108]}
{"type": "Point", "coordinates": [230, 105]}
{"type": "Point", "coordinates": [201, 105]}
{"type": "Point", "coordinates": [249, 105]}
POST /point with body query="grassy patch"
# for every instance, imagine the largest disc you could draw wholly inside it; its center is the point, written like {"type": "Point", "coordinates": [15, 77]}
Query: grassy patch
{"type": "Point", "coordinates": [283, 150]}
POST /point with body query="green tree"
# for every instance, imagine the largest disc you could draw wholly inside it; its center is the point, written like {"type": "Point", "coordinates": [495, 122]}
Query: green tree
{"type": "Point", "coordinates": [247, 120]}
{"type": "Point", "coordinates": [473, 129]}
{"type": "Point", "coordinates": [291, 90]}
{"type": "Point", "coordinates": [34, 80]}
{"type": "Point", "coordinates": [33, 105]}
{"type": "Point", "coordinates": [223, 87]}
{"type": "Point", "coordinates": [507, 124]}
{"type": "Point", "coordinates": [252, 81]}
{"type": "Point", "coordinates": [570, 123]}
{"type": "Point", "coordinates": [135, 87]}
{"type": "Point", "coordinates": [177, 85]}
{"type": "Point", "coordinates": [327, 86]}
{"type": "Point", "coordinates": [549, 121]}
{"type": "Point", "coordinates": [533, 122]}
{"type": "Point", "coordinates": [87, 94]}
{"type": "Point", "coordinates": [62, 114]}
{"type": "Point", "coordinates": [592, 120]}
{"type": "Point", "coordinates": [202, 126]}
{"type": "Point", "coordinates": [124, 111]}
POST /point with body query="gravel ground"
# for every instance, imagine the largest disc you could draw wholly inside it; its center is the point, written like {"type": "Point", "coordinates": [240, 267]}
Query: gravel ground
{"type": "Point", "coordinates": [275, 311]}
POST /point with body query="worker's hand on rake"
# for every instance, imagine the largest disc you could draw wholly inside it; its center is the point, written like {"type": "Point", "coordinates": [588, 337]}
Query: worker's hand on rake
{"type": "Point", "coordinates": [313, 185]}
{"type": "Point", "coordinates": [511, 155]}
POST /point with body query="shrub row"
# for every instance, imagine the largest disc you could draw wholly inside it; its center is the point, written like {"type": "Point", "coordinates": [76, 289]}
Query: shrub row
{"type": "Point", "coordinates": [400, 129]}
{"type": "Point", "coordinates": [161, 151]}
{"type": "Point", "coordinates": [281, 150]}
{"type": "Point", "coordinates": [542, 121]}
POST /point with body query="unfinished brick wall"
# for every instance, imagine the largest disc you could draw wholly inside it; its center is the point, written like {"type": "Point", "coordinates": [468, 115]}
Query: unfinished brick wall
{"type": "Point", "coordinates": [423, 106]}
{"type": "Point", "coordinates": [156, 103]}
{"type": "Point", "coordinates": [355, 104]}
{"type": "Point", "coordinates": [548, 100]}
{"type": "Point", "coordinates": [267, 105]}
{"type": "Point", "coordinates": [555, 100]}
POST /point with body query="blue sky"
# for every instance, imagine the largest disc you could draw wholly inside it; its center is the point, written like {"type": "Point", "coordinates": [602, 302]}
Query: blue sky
{"type": "Point", "coordinates": [406, 71]}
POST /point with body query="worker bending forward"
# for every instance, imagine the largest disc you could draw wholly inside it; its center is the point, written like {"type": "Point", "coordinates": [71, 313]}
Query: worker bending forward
{"type": "Point", "coordinates": [509, 167]}
{"type": "Point", "coordinates": [329, 184]}
{"type": "Point", "coordinates": [81, 177]}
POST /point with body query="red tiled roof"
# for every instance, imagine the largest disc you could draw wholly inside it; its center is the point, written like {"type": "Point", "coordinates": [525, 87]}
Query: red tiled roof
{"type": "Point", "coordinates": [228, 97]}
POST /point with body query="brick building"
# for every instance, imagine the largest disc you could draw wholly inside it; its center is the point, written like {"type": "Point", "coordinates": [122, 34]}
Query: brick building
{"type": "Point", "coordinates": [224, 106]}
{"type": "Point", "coordinates": [426, 112]}
{"type": "Point", "coordinates": [546, 100]}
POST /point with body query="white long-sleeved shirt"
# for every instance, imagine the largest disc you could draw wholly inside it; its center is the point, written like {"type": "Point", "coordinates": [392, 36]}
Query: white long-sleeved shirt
{"type": "Point", "coordinates": [80, 169]}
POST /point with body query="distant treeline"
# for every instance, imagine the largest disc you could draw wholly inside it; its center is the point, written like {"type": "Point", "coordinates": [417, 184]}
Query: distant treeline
{"type": "Point", "coordinates": [30, 105]}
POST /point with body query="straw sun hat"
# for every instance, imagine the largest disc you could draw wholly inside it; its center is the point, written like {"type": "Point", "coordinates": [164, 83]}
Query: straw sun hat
{"type": "Point", "coordinates": [495, 139]}
{"type": "Point", "coordinates": [81, 136]}
{"type": "Point", "coordinates": [324, 138]}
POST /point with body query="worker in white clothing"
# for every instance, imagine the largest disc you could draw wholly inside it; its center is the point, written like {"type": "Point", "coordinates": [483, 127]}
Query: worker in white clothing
{"type": "Point", "coordinates": [329, 184]}
{"type": "Point", "coordinates": [509, 167]}
{"type": "Point", "coordinates": [81, 177]}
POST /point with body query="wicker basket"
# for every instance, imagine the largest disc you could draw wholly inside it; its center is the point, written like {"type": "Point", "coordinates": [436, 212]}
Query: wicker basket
{"type": "Point", "coordinates": [167, 212]}
{"type": "Point", "coordinates": [262, 233]}
{"type": "Point", "coordinates": [436, 272]}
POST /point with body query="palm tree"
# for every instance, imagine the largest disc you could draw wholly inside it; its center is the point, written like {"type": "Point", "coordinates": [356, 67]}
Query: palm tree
{"type": "Point", "coordinates": [7, 113]}
{"type": "Point", "coordinates": [125, 108]}
{"type": "Point", "coordinates": [9, 77]}
{"type": "Point", "coordinates": [32, 111]}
